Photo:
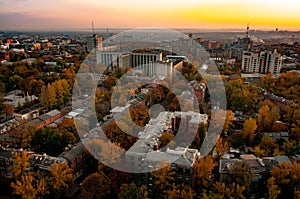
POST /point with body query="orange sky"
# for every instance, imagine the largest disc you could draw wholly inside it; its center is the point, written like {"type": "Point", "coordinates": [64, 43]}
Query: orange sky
{"type": "Point", "coordinates": [41, 14]}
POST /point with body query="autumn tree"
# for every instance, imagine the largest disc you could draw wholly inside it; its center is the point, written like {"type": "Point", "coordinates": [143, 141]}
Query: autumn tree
{"type": "Point", "coordinates": [224, 191]}
{"type": "Point", "coordinates": [273, 189]}
{"type": "Point", "coordinates": [293, 119]}
{"type": "Point", "coordinates": [266, 147]}
{"type": "Point", "coordinates": [221, 147]}
{"type": "Point", "coordinates": [180, 192]}
{"type": "Point", "coordinates": [115, 134]}
{"type": "Point", "coordinates": [228, 121]}
{"type": "Point", "coordinates": [241, 174]}
{"type": "Point", "coordinates": [25, 183]}
{"type": "Point", "coordinates": [28, 187]}
{"type": "Point", "coordinates": [267, 116]}
{"type": "Point", "coordinates": [60, 179]}
{"type": "Point", "coordinates": [22, 133]}
{"type": "Point", "coordinates": [95, 186]}
{"type": "Point", "coordinates": [282, 177]}
{"type": "Point", "coordinates": [249, 129]}
{"type": "Point", "coordinates": [131, 191]}
{"type": "Point", "coordinates": [8, 110]}
{"type": "Point", "coordinates": [21, 164]}
{"type": "Point", "coordinates": [48, 96]}
{"type": "Point", "coordinates": [67, 126]}
{"type": "Point", "coordinates": [55, 94]}
{"type": "Point", "coordinates": [199, 137]}
{"type": "Point", "coordinates": [202, 173]}
{"type": "Point", "coordinates": [239, 96]}
{"type": "Point", "coordinates": [291, 147]}
{"type": "Point", "coordinates": [162, 180]}
{"type": "Point", "coordinates": [165, 139]}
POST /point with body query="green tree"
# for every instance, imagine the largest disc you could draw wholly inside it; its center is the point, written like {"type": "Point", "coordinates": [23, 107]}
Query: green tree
{"type": "Point", "coordinates": [47, 140]}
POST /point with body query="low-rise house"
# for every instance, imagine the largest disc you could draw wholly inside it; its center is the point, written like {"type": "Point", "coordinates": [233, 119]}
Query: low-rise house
{"type": "Point", "coordinates": [27, 114]}
{"type": "Point", "coordinates": [46, 118]}
{"type": "Point", "coordinates": [278, 135]}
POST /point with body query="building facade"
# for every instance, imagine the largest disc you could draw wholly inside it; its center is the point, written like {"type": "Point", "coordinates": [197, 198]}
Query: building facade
{"type": "Point", "coordinates": [261, 62]}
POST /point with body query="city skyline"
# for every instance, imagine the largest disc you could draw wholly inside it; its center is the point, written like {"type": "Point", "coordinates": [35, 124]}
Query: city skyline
{"type": "Point", "coordinates": [216, 14]}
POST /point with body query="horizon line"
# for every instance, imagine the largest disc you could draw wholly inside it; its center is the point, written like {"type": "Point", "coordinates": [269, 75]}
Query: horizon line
{"type": "Point", "coordinates": [130, 28]}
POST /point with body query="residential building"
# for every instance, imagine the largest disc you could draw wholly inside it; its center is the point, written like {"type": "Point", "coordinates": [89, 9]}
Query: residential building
{"type": "Point", "coordinates": [251, 62]}
{"type": "Point", "coordinates": [261, 62]}
{"type": "Point", "coordinates": [94, 43]}
{"type": "Point", "coordinates": [46, 118]}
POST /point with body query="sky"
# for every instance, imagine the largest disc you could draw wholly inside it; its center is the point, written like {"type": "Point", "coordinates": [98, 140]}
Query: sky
{"type": "Point", "coordinates": [197, 14]}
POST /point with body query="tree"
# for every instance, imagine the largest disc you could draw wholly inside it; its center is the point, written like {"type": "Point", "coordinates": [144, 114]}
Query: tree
{"type": "Point", "coordinates": [249, 129]}
{"type": "Point", "coordinates": [165, 139]}
{"type": "Point", "coordinates": [228, 121]}
{"type": "Point", "coordinates": [162, 180]}
{"type": "Point", "coordinates": [47, 140]}
{"type": "Point", "coordinates": [180, 192]}
{"type": "Point", "coordinates": [221, 147]}
{"type": "Point", "coordinates": [8, 110]}
{"type": "Point", "coordinates": [282, 178]}
{"type": "Point", "coordinates": [21, 165]}
{"type": "Point", "coordinates": [291, 147]}
{"type": "Point", "coordinates": [241, 174]}
{"type": "Point", "coordinates": [267, 117]}
{"type": "Point", "coordinates": [35, 87]}
{"type": "Point", "coordinates": [131, 191]}
{"type": "Point", "coordinates": [273, 189]}
{"type": "Point", "coordinates": [25, 182]}
{"type": "Point", "coordinates": [202, 173]}
{"type": "Point", "coordinates": [224, 191]}
{"type": "Point", "coordinates": [67, 125]}
{"type": "Point", "coordinates": [60, 179]}
{"type": "Point", "coordinates": [29, 188]}
{"type": "Point", "coordinates": [200, 136]}
{"type": "Point", "coordinates": [95, 186]}
{"type": "Point", "coordinates": [22, 133]}
{"type": "Point", "coordinates": [268, 145]}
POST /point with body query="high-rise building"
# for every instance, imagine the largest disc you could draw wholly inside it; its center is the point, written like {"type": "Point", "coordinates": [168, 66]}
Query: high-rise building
{"type": "Point", "coordinates": [262, 62]}
{"type": "Point", "coordinates": [270, 62]}
{"type": "Point", "coordinates": [250, 62]}
{"type": "Point", "coordinates": [94, 42]}
{"type": "Point", "coordinates": [138, 59]}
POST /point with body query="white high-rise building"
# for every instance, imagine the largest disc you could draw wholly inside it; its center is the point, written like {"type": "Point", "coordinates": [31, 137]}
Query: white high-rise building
{"type": "Point", "coordinates": [270, 62]}
{"type": "Point", "coordinates": [263, 62]}
{"type": "Point", "coordinates": [250, 62]}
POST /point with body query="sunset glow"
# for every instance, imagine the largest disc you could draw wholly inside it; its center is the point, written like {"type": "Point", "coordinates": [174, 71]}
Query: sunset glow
{"type": "Point", "coordinates": [35, 14]}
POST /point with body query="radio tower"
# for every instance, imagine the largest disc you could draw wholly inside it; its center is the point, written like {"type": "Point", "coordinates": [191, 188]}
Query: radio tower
{"type": "Point", "coordinates": [93, 28]}
{"type": "Point", "coordinates": [247, 33]}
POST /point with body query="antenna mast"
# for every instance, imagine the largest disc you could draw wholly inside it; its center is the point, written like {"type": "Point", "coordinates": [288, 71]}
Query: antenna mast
{"type": "Point", "coordinates": [247, 34]}
{"type": "Point", "coordinates": [93, 27]}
